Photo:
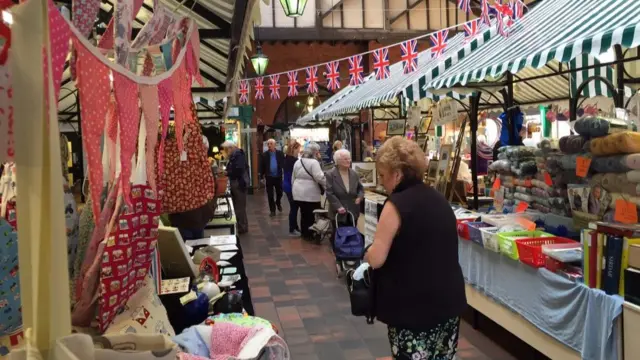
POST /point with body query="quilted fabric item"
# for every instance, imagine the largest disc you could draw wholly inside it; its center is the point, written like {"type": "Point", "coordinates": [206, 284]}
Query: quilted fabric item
{"type": "Point", "coordinates": [143, 314]}
{"type": "Point", "coordinates": [186, 185]}
{"type": "Point", "coordinates": [127, 253]}
{"type": "Point", "coordinates": [592, 127]}
{"type": "Point", "coordinates": [572, 144]}
{"type": "Point", "coordinates": [11, 314]}
{"type": "Point", "coordinates": [626, 142]}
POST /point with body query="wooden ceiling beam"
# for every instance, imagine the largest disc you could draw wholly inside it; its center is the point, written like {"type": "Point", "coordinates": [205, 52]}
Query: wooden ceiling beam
{"type": "Point", "coordinates": [334, 7]}
{"type": "Point", "coordinates": [405, 11]}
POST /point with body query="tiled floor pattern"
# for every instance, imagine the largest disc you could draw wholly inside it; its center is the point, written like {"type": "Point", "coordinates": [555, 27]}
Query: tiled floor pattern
{"type": "Point", "coordinates": [293, 284]}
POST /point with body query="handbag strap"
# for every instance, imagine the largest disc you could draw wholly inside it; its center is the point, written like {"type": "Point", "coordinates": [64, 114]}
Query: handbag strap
{"type": "Point", "coordinates": [308, 173]}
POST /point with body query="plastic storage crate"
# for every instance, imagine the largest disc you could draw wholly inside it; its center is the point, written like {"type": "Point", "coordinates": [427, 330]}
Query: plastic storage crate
{"type": "Point", "coordinates": [474, 231]}
{"type": "Point", "coordinates": [507, 245]}
{"type": "Point", "coordinates": [530, 250]}
{"type": "Point", "coordinates": [490, 238]}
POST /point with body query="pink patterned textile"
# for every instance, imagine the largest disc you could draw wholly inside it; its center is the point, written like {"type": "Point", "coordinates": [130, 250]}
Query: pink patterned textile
{"type": "Point", "coordinates": [164, 96]}
{"type": "Point", "coordinates": [129, 120]}
{"type": "Point", "coordinates": [93, 84]}
{"type": "Point", "coordinates": [150, 105]}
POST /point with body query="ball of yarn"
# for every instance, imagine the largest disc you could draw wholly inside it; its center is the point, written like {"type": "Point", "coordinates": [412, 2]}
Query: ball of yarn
{"type": "Point", "coordinates": [210, 289]}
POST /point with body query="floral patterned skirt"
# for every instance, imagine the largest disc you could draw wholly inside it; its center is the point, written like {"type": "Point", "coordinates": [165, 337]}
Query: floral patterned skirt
{"type": "Point", "coordinates": [439, 343]}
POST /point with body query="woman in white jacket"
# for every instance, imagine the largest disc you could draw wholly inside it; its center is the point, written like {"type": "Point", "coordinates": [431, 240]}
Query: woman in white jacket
{"type": "Point", "coordinates": [308, 183]}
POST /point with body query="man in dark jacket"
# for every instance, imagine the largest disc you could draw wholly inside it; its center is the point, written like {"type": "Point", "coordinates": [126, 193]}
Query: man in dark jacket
{"type": "Point", "coordinates": [238, 174]}
{"type": "Point", "coordinates": [271, 162]}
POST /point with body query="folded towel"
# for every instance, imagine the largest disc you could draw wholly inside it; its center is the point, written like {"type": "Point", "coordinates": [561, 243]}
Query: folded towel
{"type": "Point", "coordinates": [626, 142]}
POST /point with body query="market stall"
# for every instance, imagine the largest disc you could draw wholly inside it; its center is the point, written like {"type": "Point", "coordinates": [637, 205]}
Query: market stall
{"type": "Point", "coordinates": [130, 276]}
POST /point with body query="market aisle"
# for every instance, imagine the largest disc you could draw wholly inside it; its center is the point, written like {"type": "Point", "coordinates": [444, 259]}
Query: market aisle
{"type": "Point", "coordinates": [293, 284]}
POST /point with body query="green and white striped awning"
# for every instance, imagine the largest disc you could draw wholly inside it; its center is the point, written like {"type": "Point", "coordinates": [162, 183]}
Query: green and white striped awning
{"type": "Point", "coordinates": [558, 29]}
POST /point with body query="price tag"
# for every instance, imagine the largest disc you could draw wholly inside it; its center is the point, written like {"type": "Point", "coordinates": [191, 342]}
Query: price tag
{"type": "Point", "coordinates": [497, 184]}
{"type": "Point", "coordinates": [547, 179]}
{"type": "Point", "coordinates": [526, 224]}
{"type": "Point", "coordinates": [582, 166]}
{"type": "Point", "coordinates": [183, 156]}
{"type": "Point", "coordinates": [522, 206]}
{"type": "Point", "coordinates": [626, 212]}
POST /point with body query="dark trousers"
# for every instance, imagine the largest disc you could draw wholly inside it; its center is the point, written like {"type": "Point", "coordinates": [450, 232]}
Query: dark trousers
{"type": "Point", "coordinates": [239, 198]}
{"type": "Point", "coordinates": [293, 213]}
{"type": "Point", "coordinates": [306, 216]}
{"type": "Point", "coordinates": [274, 183]}
{"type": "Point", "coordinates": [191, 234]}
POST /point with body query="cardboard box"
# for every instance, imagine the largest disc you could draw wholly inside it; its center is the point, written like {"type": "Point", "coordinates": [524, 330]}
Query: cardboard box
{"type": "Point", "coordinates": [634, 256]}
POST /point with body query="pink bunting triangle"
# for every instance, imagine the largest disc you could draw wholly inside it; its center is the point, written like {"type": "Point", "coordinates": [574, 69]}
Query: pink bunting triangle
{"type": "Point", "coordinates": [93, 84]}
{"type": "Point", "coordinates": [126, 92]}
{"type": "Point", "coordinates": [165, 98]}
{"type": "Point", "coordinates": [150, 105]}
{"type": "Point", "coordinates": [59, 34]}
{"type": "Point", "coordinates": [195, 50]}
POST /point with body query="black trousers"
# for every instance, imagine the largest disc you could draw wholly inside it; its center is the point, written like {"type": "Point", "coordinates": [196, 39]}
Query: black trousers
{"type": "Point", "coordinates": [274, 184]}
{"type": "Point", "coordinates": [306, 216]}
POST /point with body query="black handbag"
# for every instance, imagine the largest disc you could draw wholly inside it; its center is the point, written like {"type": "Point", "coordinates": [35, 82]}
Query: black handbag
{"type": "Point", "coordinates": [362, 295]}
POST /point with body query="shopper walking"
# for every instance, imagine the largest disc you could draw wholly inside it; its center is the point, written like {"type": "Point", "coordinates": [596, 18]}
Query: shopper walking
{"type": "Point", "coordinates": [238, 174]}
{"type": "Point", "coordinates": [271, 163]}
{"type": "Point", "coordinates": [344, 189]}
{"type": "Point", "coordinates": [290, 159]}
{"type": "Point", "coordinates": [308, 183]}
{"type": "Point", "coordinates": [419, 285]}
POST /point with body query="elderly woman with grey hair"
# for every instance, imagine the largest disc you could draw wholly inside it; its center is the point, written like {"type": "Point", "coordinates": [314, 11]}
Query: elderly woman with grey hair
{"type": "Point", "coordinates": [308, 184]}
{"type": "Point", "coordinates": [344, 189]}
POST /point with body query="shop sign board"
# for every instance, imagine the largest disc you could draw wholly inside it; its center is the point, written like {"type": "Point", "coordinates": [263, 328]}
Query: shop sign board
{"type": "Point", "coordinates": [446, 112]}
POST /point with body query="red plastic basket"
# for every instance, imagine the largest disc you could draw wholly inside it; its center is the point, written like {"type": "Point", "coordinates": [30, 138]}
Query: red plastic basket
{"type": "Point", "coordinates": [463, 228]}
{"type": "Point", "coordinates": [530, 250]}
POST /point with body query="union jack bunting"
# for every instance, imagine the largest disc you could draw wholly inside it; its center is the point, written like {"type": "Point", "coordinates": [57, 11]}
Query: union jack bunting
{"type": "Point", "coordinates": [274, 86]}
{"type": "Point", "coordinates": [333, 75]}
{"type": "Point", "coordinates": [381, 63]}
{"type": "Point", "coordinates": [355, 70]}
{"type": "Point", "coordinates": [243, 90]}
{"type": "Point", "coordinates": [485, 12]}
{"type": "Point", "coordinates": [439, 42]}
{"type": "Point", "coordinates": [293, 83]}
{"type": "Point", "coordinates": [471, 29]}
{"type": "Point", "coordinates": [517, 8]}
{"type": "Point", "coordinates": [312, 79]}
{"type": "Point", "coordinates": [464, 5]}
{"type": "Point", "coordinates": [259, 88]}
{"type": "Point", "coordinates": [409, 55]}
{"type": "Point", "coordinates": [502, 11]}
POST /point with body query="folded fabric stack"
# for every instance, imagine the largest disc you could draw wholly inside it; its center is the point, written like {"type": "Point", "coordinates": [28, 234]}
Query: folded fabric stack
{"type": "Point", "coordinates": [549, 198]}
{"type": "Point", "coordinates": [614, 172]}
{"type": "Point", "coordinates": [517, 166]}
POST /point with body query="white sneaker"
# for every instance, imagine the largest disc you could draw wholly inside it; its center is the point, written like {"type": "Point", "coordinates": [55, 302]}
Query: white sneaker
{"type": "Point", "coordinates": [295, 233]}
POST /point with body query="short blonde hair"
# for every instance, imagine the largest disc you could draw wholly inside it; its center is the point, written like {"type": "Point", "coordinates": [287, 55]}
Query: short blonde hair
{"type": "Point", "coordinates": [293, 145]}
{"type": "Point", "coordinates": [337, 145]}
{"type": "Point", "coordinates": [406, 156]}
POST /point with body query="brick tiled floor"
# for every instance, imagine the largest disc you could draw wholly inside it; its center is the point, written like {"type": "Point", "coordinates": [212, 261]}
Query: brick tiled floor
{"type": "Point", "coordinates": [294, 285]}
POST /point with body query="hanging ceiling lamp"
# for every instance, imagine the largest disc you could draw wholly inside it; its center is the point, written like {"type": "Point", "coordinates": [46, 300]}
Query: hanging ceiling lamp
{"type": "Point", "coordinates": [293, 8]}
{"type": "Point", "coordinates": [259, 61]}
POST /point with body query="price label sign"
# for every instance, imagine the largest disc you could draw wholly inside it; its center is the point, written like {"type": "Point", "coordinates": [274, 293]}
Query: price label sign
{"type": "Point", "coordinates": [497, 184]}
{"type": "Point", "coordinates": [626, 212]}
{"type": "Point", "coordinates": [526, 224]}
{"type": "Point", "coordinates": [582, 166]}
{"type": "Point", "coordinates": [522, 207]}
{"type": "Point", "coordinates": [547, 179]}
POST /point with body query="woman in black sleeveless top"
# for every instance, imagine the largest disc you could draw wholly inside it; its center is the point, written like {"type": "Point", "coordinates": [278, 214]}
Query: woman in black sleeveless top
{"type": "Point", "coordinates": [419, 285]}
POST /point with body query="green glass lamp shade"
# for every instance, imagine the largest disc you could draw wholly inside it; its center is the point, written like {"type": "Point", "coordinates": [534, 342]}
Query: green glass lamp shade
{"type": "Point", "coordinates": [259, 61]}
{"type": "Point", "coordinates": [293, 8]}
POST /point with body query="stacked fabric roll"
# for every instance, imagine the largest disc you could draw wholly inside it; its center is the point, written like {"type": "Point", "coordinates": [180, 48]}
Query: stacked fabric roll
{"type": "Point", "coordinates": [549, 196]}
{"type": "Point", "coordinates": [615, 167]}
{"type": "Point", "coordinates": [516, 166]}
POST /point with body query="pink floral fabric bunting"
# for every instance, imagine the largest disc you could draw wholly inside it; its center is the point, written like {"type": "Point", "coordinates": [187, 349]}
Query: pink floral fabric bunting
{"type": "Point", "coordinates": [126, 92]}
{"type": "Point", "coordinates": [93, 84]}
{"type": "Point", "coordinates": [59, 34]}
{"type": "Point", "coordinates": [150, 105]}
{"type": "Point", "coordinates": [164, 96]}
{"type": "Point", "coordinates": [107, 39]}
